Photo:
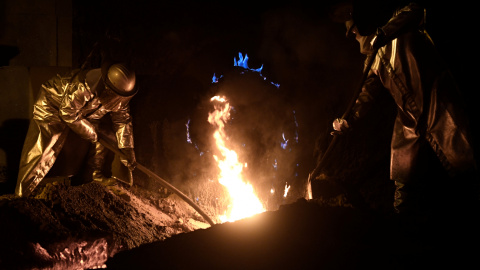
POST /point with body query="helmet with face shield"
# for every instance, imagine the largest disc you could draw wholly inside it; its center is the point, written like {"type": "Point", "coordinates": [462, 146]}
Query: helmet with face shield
{"type": "Point", "coordinates": [120, 78]}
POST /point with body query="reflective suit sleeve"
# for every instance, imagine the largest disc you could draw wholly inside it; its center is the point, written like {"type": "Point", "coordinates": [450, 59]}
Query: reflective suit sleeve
{"type": "Point", "coordinates": [122, 124]}
{"type": "Point", "coordinates": [370, 89]}
{"type": "Point", "coordinates": [407, 18]}
{"type": "Point", "coordinates": [70, 111]}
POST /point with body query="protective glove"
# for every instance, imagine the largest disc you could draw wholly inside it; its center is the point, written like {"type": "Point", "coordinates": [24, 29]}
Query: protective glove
{"type": "Point", "coordinates": [84, 129]}
{"type": "Point", "coordinates": [129, 159]}
{"type": "Point", "coordinates": [340, 126]}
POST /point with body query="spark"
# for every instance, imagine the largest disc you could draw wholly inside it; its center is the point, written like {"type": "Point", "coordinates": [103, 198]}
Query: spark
{"type": "Point", "coordinates": [287, 188]}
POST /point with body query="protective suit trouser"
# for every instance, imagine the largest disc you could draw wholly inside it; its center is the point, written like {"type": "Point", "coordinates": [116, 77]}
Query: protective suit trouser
{"type": "Point", "coordinates": [425, 188]}
{"type": "Point", "coordinates": [103, 166]}
{"type": "Point", "coordinates": [97, 157]}
{"type": "Point", "coordinates": [42, 145]}
{"type": "Point", "coordinates": [96, 162]}
{"type": "Point", "coordinates": [431, 190]}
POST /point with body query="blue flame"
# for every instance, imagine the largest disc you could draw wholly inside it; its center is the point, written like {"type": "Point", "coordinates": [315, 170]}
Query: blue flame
{"type": "Point", "coordinates": [276, 84]}
{"type": "Point", "coordinates": [284, 143]}
{"type": "Point", "coordinates": [215, 78]}
{"type": "Point", "coordinates": [243, 62]}
{"type": "Point", "coordinates": [189, 139]}
{"type": "Point", "coordinates": [296, 124]}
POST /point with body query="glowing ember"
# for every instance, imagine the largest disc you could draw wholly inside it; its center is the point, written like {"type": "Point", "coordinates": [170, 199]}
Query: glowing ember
{"type": "Point", "coordinates": [76, 255]}
{"type": "Point", "coordinates": [287, 188]}
{"type": "Point", "coordinates": [244, 202]}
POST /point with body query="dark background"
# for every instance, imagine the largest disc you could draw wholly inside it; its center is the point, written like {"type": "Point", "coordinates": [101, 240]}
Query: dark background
{"type": "Point", "coordinates": [176, 48]}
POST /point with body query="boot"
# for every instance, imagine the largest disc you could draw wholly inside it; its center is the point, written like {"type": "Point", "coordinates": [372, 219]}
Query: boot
{"type": "Point", "coordinates": [96, 162]}
{"type": "Point", "coordinates": [411, 208]}
{"type": "Point", "coordinates": [401, 201]}
{"type": "Point", "coordinates": [98, 177]}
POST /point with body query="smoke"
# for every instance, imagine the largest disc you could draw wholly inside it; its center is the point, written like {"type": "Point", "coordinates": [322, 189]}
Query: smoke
{"type": "Point", "coordinates": [305, 53]}
{"type": "Point", "coordinates": [262, 129]}
{"type": "Point", "coordinates": [317, 66]}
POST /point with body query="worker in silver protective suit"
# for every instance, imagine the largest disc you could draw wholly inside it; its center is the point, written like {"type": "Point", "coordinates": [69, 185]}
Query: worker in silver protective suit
{"type": "Point", "coordinates": [430, 116]}
{"type": "Point", "coordinates": [77, 102]}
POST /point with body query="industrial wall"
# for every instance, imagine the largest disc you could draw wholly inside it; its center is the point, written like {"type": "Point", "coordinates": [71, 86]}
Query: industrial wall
{"type": "Point", "coordinates": [35, 44]}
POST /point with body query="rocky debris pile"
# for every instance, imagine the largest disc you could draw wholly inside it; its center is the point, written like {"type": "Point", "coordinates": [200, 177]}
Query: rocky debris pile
{"type": "Point", "coordinates": [93, 226]}
{"type": "Point", "coordinates": [75, 227]}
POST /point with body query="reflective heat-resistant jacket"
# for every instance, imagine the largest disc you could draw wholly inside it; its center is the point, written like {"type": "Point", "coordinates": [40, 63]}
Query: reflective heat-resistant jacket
{"type": "Point", "coordinates": [428, 102]}
{"type": "Point", "coordinates": [72, 102]}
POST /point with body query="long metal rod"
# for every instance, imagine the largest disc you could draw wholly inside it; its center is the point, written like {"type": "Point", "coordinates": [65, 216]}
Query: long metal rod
{"type": "Point", "coordinates": [345, 115]}
{"type": "Point", "coordinates": [163, 182]}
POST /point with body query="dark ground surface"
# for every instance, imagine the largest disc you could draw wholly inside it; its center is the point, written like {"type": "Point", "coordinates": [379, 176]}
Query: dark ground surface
{"type": "Point", "coordinates": [89, 226]}
{"type": "Point", "coordinates": [76, 227]}
{"type": "Point", "coordinates": [307, 235]}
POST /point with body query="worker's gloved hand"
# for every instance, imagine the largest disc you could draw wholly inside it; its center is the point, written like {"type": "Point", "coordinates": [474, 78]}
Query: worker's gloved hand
{"type": "Point", "coordinates": [93, 137]}
{"type": "Point", "coordinates": [380, 39]}
{"type": "Point", "coordinates": [85, 129]}
{"type": "Point", "coordinates": [129, 159]}
{"type": "Point", "coordinates": [340, 126]}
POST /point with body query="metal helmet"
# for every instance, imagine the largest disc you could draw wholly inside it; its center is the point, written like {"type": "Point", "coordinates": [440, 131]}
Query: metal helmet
{"type": "Point", "coordinates": [121, 79]}
{"type": "Point", "coordinates": [368, 15]}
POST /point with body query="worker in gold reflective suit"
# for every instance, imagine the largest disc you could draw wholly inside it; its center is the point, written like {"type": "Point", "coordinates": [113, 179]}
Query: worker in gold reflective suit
{"type": "Point", "coordinates": [431, 130]}
{"type": "Point", "coordinates": [77, 102]}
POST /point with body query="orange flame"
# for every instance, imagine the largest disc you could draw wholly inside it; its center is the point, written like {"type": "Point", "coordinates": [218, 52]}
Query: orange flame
{"type": "Point", "coordinates": [287, 188]}
{"type": "Point", "coordinates": [244, 202]}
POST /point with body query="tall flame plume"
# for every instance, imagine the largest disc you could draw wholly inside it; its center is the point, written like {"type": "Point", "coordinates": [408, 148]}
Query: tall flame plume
{"type": "Point", "coordinates": [244, 202]}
